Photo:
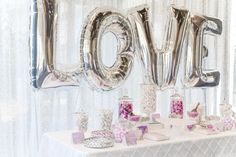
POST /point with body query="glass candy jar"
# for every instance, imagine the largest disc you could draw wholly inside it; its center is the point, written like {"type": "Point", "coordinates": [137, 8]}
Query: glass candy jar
{"type": "Point", "coordinates": [148, 99]}
{"type": "Point", "coordinates": [227, 116]}
{"type": "Point", "coordinates": [81, 121]}
{"type": "Point", "coordinates": [125, 107]}
{"type": "Point", "coordinates": [226, 109]}
{"type": "Point", "coordinates": [105, 116]}
{"type": "Point", "coordinates": [176, 106]}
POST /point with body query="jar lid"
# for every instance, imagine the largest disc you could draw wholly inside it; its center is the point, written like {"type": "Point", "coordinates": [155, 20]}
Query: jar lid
{"type": "Point", "coordinates": [125, 98]}
{"type": "Point", "coordinates": [176, 94]}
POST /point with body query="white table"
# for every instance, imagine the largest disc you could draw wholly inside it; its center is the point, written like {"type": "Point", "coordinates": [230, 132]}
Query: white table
{"type": "Point", "coordinates": [181, 144]}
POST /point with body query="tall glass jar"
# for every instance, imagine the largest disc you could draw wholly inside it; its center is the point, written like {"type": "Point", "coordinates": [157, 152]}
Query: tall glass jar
{"type": "Point", "coordinates": [148, 99]}
{"type": "Point", "coordinates": [125, 107]}
{"type": "Point", "coordinates": [176, 106]}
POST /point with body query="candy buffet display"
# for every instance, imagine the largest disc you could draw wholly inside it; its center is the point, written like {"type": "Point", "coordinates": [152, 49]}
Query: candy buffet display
{"type": "Point", "coordinates": [132, 128]}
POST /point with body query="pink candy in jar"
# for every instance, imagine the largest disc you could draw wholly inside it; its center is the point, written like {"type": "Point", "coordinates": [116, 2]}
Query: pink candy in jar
{"type": "Point", "coordinates": [176, 106]}
{"type": "Point", "coordinates": [125, 107]}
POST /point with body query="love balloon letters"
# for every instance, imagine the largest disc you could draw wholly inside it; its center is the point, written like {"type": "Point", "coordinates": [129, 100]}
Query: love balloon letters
{"type": "Point", "coordinates": [185, 32]}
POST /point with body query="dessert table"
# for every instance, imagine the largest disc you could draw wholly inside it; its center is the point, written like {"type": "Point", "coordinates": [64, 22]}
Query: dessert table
{"type": "Point", "coordinates": [182, 143]}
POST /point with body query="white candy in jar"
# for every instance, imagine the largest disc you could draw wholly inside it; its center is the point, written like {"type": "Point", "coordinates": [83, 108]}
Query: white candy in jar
{"type": "Point", "coordinates": [106, 119]}
{"type": "Point", "coordinates": [82, 121]}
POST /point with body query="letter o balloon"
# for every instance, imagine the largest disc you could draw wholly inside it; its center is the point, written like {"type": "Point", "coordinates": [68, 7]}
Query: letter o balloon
{"type": "Point", "coordinates": [99, 22]}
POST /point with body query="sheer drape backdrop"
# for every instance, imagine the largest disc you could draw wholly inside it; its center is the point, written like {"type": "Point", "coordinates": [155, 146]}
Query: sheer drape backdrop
{"type": "Point", "coordinates": [25, 114]}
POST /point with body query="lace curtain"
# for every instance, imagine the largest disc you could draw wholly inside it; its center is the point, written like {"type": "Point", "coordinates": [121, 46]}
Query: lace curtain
{"type": "Point", "coordinates": [25, 113]}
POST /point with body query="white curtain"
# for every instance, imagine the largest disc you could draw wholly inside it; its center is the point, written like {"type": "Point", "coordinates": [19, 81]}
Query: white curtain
{"type": "Point", "coordinates": [25, 113]}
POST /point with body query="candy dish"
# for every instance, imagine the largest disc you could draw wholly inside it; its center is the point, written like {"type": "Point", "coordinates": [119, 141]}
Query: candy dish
{"type": "Point", "coordinates": [193, 114]}
{"type": "Point", "coordinates": [190, 127]}
{"type": "Point", "coordinates": [98, 142]}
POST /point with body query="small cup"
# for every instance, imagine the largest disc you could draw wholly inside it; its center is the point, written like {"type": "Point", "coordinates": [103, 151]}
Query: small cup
{"type": "Point", "coordinates": [77, 137]}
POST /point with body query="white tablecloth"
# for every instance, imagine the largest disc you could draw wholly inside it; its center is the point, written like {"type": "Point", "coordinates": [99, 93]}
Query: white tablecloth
{"type": "Point", "coordinates": [181, 144]}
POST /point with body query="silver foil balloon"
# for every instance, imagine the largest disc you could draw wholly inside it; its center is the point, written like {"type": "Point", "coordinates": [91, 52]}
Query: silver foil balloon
{"type": "Point", "coordinates": [195, 76]}
{"type": "Point", "coordinates": [160, 65]}
{"type": "Point", "coordinates": [42, 48]}
{"type": "Point", "coordinates": [99, 22]}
